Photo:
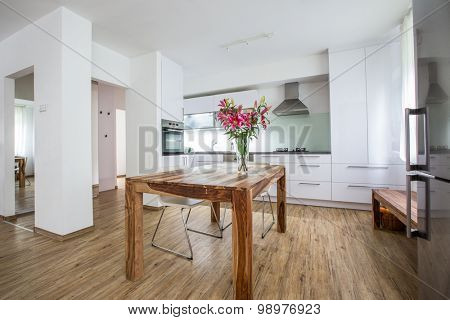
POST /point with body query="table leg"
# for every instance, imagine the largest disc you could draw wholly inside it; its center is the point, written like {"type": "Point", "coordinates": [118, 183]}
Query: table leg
{"type": "Point", "coordinates": [21, 174]}
{"type": "Point", "coordinates": [216, 206]}
{"type": "Point", "coordinates": [376, 212]}
{"type": "Point", "coordinates": [242, 244]}
{"type": "Point", "coordinates": [134, 233]}
{"type": "Point", "coordinates": [281, 204]}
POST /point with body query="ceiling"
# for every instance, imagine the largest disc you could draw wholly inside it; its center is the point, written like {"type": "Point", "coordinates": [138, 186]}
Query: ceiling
{"type": "Point", "coordinates": [191, 32]}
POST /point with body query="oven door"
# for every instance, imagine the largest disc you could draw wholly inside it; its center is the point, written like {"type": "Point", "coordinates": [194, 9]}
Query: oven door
{"type": "Point", "coordinates": [172, 141]}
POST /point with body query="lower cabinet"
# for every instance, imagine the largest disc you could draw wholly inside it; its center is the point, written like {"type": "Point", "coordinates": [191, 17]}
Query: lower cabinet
{"type": "Point", "coordinates": [308, 177]}
{"type": "Point", "coordinates": [207, 159]}
{"type": "Point", "coordinates": [310, 190]}
{"type": "Point", "coordinates": [354, 183]}
{"type": "Point", "coordinates": [357, 192]}
{"type": "Point", "coordinates": [371, 174]}
{"type": "Point", "coordinates": [177, 161]}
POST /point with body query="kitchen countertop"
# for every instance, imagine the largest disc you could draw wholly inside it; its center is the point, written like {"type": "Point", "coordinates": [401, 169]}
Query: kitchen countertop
{"type": "Point", "coordinates": [443, 151]}
{"type": "Point", "coordinates": [261, 152]}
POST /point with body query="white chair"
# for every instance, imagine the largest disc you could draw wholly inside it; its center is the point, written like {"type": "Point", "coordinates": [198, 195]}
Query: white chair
{"type": "Point", "coordinates": [265, 194]}
{"type": "Point", "coordinates": [182, 204]}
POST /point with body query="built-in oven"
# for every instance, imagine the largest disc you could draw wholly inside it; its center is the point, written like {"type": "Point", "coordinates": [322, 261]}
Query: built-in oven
{"type": "Point", "coordinates": [172, 137]}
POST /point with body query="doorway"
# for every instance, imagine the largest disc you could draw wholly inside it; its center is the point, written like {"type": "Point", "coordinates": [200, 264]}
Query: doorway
{"type": "Point", "coordinates": [108, 137]}
{"type": "Point", "coordinates": [24, 154]}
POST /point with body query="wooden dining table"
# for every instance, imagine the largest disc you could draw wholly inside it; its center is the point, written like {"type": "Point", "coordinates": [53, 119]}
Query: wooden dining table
{"type": "Point", "coordinates": [218, 183]}
{"type": "Point", "coordinates": [21, 161]}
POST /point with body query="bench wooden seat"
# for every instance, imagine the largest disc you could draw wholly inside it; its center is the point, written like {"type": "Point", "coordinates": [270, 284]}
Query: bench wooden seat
{"type": "Point", "coordinates": [395, 202]}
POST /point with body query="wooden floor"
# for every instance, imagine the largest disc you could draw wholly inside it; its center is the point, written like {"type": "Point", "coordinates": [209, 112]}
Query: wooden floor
{"type": "Point", "coordinates": [325, 254]}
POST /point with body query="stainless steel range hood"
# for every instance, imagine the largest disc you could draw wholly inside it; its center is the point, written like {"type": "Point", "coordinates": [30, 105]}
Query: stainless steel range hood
{"type": "Point", "coordinates": [436, 94]}
{"type": "Point", "coordinates": [291, 104]}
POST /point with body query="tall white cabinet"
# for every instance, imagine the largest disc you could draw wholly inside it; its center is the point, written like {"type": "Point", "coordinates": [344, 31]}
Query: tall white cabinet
{"type": "Point", "coordinates": [384, 100]}
{"type": "Point", "coordinates": [366, 114]}
{"type": "Point", "coordinates": [171, 90]}
{"type": "Point", "coordinates": [348, 103]}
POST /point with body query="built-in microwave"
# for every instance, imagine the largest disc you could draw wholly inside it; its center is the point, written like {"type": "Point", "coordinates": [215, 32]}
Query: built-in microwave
{"type": "Point", "coordinates": [172, 137]}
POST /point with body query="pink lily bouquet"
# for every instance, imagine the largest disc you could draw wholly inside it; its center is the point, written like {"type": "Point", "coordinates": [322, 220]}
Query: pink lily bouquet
{"type": "Point", "coordinates": [242, 125]}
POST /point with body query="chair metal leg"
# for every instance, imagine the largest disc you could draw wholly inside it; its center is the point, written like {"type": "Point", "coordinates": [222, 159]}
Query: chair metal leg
{"type": "Point", "coordinates": [223, 220]}
{"type": "Point", "coordinates": [154, 244]}
{"type": "Point", "coordinates": [264, 230]}
{"type": "Point", "coordinates": [207, 233]}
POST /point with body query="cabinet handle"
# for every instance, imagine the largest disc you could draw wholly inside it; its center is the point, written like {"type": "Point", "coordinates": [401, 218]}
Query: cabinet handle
{"type": "Point", "coordinates": [309, 165]}
{"type": "Point", "coordinates": [309, 184]}
{"type": "Point", "coordinates": [364, 187]}
{"type": "Point", "coordinates": [366, 167]}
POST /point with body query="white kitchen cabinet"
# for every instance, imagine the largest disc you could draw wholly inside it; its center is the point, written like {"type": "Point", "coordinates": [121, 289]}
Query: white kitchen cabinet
{"type": "Point", "coordinates": [371, 174]}
{"type": "Point", "coordinates": [207, 159]}
{"type": "Point", "coordinates": [171, 90]}
{"type": "Point", "coordinates": [199, 105]}
{"type": "Point", "coordinates": [246, 98]}
{"type": "Point", "coordinates": [384, 103]}
{"type": "Point", "coordinates": [177, 162]}
{"type": "Point", "coordinates": [279, 158]}
{"type": "Point", "coordinates": [366, 113]}
{"type": "Point", "coordinates": [308, 172]}
{"type": "Point", "coordinates": [308, 175]}
{"type": "Point", "coordinates": [358, 192]}
{"type": "Point", "coordinates": [211, 103]}
{"type": "Point", "coordinates": [348, 112]}
{"type": "Point", "coordinates": [310, 190]}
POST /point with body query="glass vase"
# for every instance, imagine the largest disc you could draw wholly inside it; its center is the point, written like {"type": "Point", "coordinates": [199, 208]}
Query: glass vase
{"type": "Point", "coordinates": [242, 153]}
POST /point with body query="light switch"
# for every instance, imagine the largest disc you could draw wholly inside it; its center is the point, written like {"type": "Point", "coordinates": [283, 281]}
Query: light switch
{"type": "Point", "coordinates": [43, 108]}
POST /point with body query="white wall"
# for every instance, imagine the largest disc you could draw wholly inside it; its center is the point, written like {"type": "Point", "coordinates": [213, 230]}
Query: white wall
{"type": "Point", "coordinates": [110, 66]}
{"type": "Point", "coordinates": [121, 138]}
{"type": "Point", "coordinates": [7, 182]}
{"type": "Point", "coordinates": [255, 75]}
{"type": "Point", "coordinates": [63, 131]}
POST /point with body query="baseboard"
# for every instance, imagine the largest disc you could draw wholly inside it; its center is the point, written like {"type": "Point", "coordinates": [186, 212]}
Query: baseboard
{"type": "Point", "coordinates": [59, 237]}
{"type": "Point", "coordinates": [8, 218]}
{"type": "Point", "coordinates": [95, 190]}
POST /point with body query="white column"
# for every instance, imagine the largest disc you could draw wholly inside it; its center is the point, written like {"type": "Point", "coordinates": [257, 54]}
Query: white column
{"type": "Point", "coordinates": [7, 181]}
{"type": "Point", "coordinates": [143, 103]}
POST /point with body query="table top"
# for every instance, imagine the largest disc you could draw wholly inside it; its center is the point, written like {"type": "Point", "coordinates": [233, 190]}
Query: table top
{"type": "Point", "coordinates": [219, 176]}
{"type": "Point", "coordinates": [19, 158]}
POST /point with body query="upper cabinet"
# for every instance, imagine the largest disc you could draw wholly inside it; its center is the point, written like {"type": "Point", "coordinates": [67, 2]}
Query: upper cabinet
{"type": "Point", "coordinates": [384, 103]}
{"type": "Point", "coordinates": [246, 98]}
{"type": "Point", "coordinates": [199, 105]}
{"type": "Point", "coordinates": [210, 103]}
{"type": "Point", "coordinates": [171, 90]}
{"type": "Point", "coordinates": [348, 112]}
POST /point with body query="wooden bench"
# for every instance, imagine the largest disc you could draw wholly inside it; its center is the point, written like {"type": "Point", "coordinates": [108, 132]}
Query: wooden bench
{"type": "Point", "coordinates": [395, 202]}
